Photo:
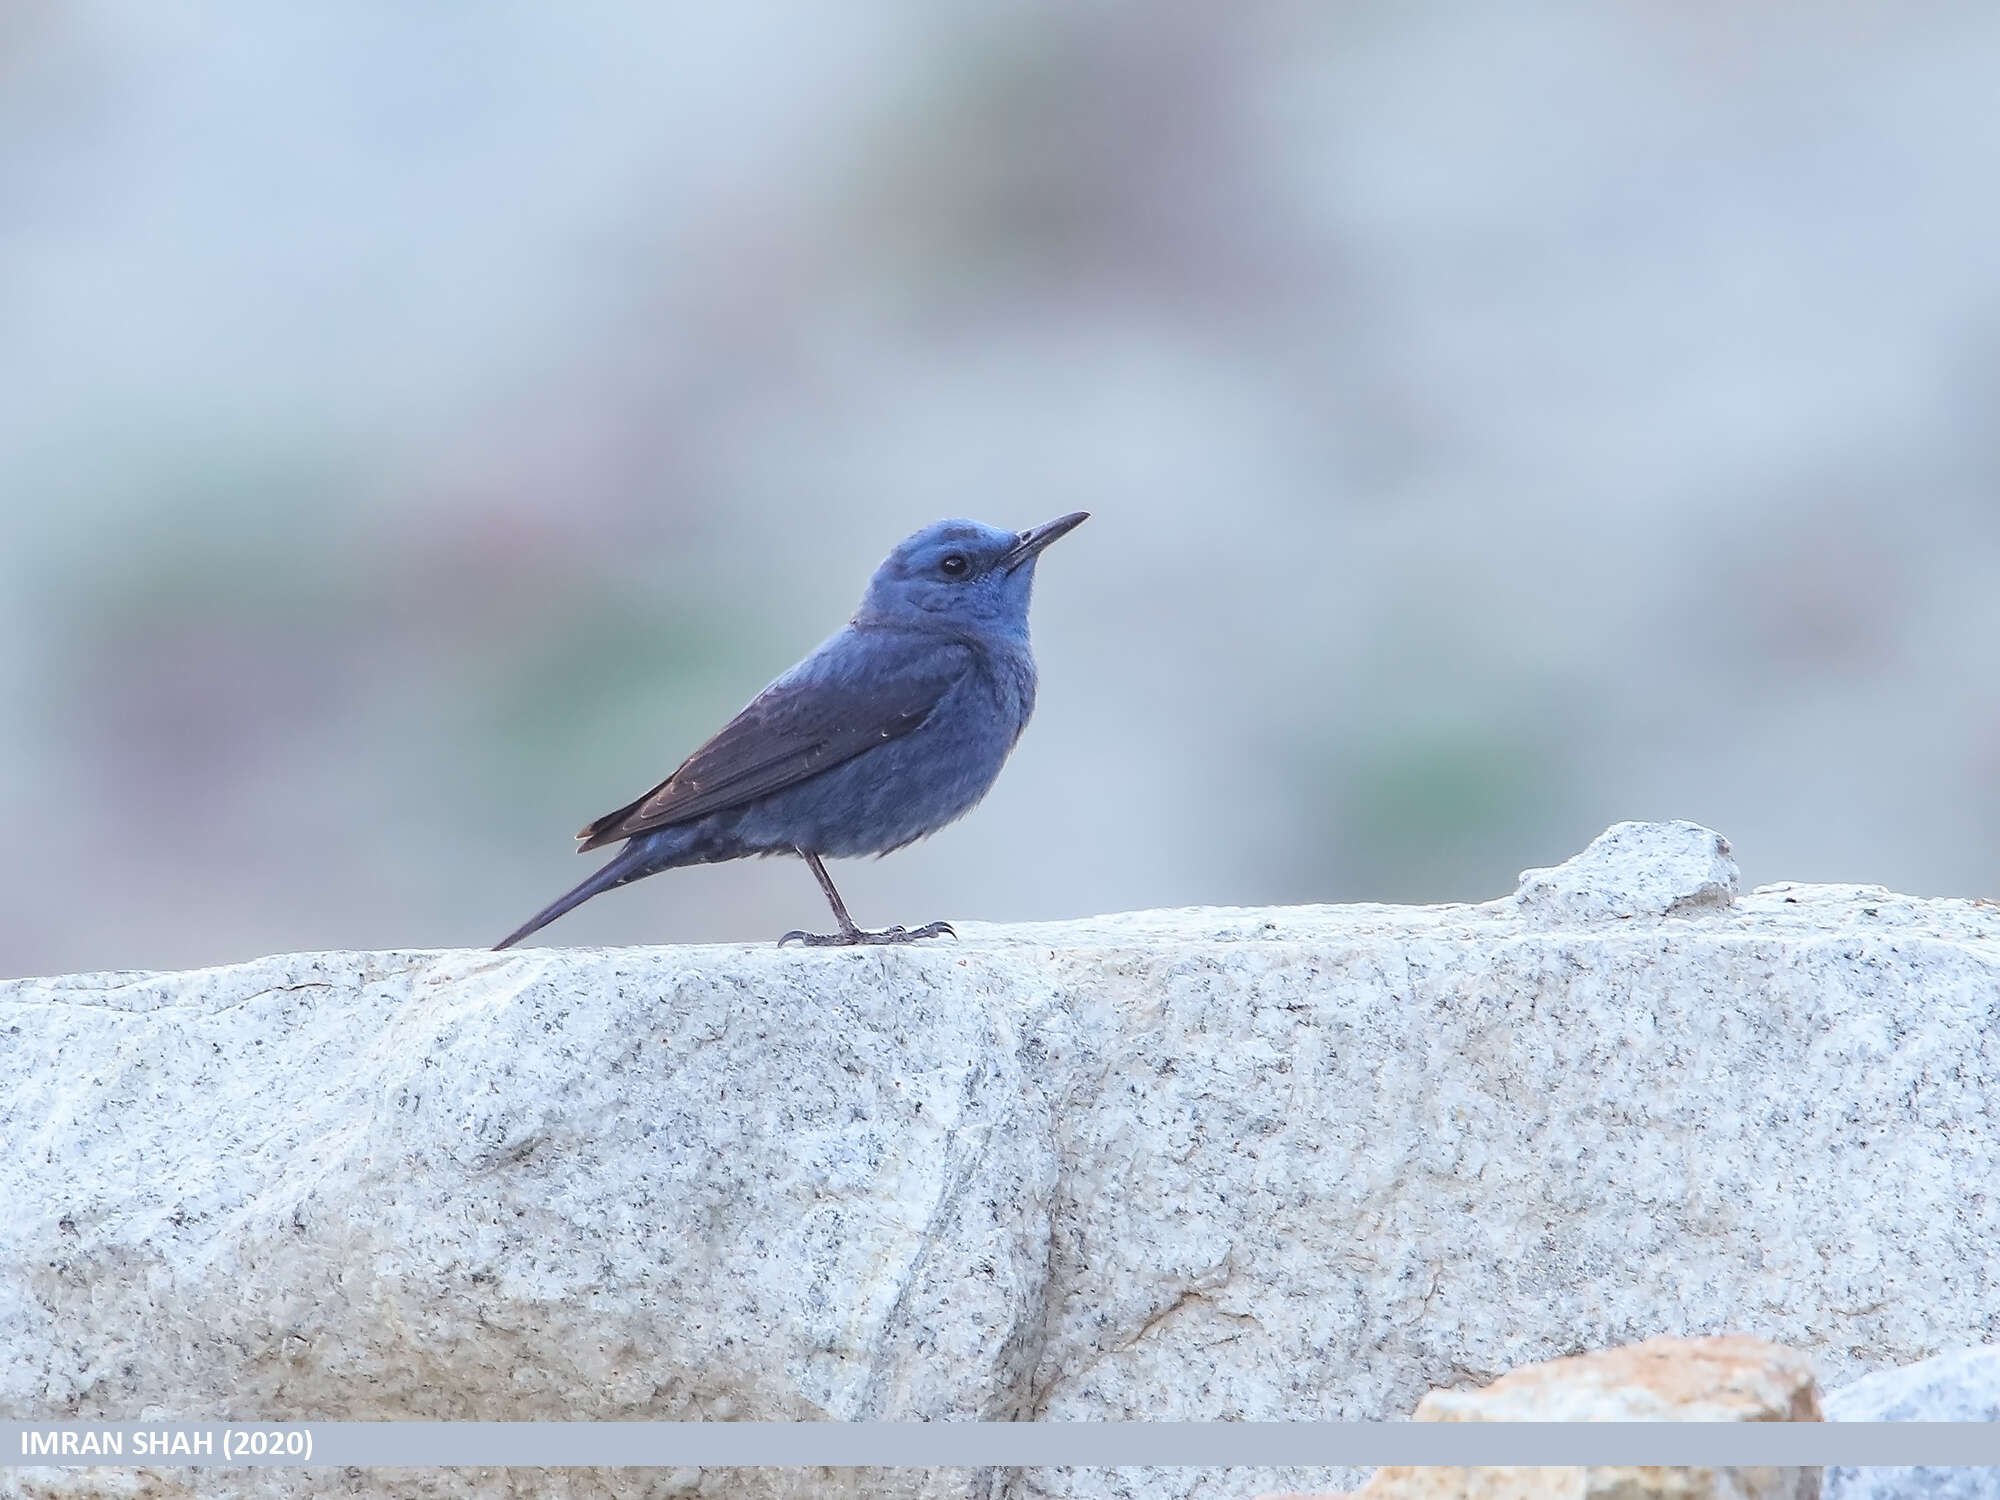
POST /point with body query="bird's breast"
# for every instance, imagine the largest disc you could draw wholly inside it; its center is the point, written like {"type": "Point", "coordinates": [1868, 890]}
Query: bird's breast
{"type": "Point", "coordinates": [1008, 679]}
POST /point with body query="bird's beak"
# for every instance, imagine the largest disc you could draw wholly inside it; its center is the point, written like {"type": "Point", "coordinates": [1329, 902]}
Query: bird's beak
{"type": "Point", "coordinates": [1035, 538]}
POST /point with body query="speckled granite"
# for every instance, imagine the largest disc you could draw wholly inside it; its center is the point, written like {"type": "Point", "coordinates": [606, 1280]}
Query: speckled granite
{"type": "Point", "coordinates": [1296, 1162]}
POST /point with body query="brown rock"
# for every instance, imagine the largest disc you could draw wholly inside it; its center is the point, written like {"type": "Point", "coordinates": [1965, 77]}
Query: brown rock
{"type": "Point", "coordinates": [1729, 1378]}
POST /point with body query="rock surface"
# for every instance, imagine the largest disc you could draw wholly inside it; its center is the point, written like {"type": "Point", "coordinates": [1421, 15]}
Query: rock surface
{"type": "Point", "coordinates": [1302, 1162]}
{"type": "Point", "coordinates": [1730, 1378]}
{"type": "Point", "coordinates": [1963, 1386]}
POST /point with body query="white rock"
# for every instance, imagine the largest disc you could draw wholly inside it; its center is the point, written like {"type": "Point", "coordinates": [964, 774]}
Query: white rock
{"type": "Point", "coordinates": [1963, 1386]}
{"type": "Point", "coordinates": [1633, 870]}
{"type": "Point", "coordinates": [1304, 1162]}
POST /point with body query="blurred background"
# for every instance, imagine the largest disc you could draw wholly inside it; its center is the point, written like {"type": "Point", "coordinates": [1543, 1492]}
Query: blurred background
{"type": "Point", "coordinates": [421, 425]}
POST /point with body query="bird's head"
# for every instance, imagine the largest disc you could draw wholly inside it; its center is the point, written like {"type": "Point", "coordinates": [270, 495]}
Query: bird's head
{"type": "Point", "coordinates": [962, 576]}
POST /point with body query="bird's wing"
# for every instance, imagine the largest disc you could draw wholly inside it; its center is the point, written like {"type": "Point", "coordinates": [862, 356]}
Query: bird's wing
{"type": "Point", "coordinates": [804, 723]}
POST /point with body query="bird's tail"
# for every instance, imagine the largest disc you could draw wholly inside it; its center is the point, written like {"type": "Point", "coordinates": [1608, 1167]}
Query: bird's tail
{"type": "Point", "coordinates": [629, 864]}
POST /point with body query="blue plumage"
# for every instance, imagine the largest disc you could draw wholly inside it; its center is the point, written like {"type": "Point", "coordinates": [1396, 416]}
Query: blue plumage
{"type": "Point", "coordinates": [895, 726]}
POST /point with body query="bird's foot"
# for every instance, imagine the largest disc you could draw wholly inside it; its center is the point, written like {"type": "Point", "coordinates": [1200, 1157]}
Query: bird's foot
{"type": "Point", "coordinates": [854, 936]}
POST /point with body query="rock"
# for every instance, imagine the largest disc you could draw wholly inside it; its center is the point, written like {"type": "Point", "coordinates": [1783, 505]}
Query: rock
{"type": "Point", "coordinates": [1581, 1484]}
{"type": "Point", "coordinates": [1722, 1378]}
{"type": "Point", "coordinates": [1298, 1163]}
{"type": "Point", "coordinates": [1440, 1483]}
{"type": "Point", "coordinates": [1730, 1378]}
{"type": "Point", "coordinates": [1963, 1386]}
{"type": "Point", "coordinates": [1633, 870]}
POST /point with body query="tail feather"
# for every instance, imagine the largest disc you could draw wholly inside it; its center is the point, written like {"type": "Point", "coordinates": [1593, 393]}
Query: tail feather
{"type": "Point", "coordinates": [628, 864]}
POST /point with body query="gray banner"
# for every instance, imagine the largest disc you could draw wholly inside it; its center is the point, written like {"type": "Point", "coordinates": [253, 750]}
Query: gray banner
{"type": "Point", "coordinates": [1004, 1444]}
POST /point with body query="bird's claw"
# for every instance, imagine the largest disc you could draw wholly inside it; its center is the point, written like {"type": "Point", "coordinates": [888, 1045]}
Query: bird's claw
{"type": "Point", "coordinates": [857, 936]}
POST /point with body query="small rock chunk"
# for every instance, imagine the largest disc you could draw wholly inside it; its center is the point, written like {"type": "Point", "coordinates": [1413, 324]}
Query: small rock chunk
{"type": "Point", "coordinates": [1963, 1386]}
{"type": "Point", "coordinates": [1633, 870]}
{"type": "Point", "coordinates": [1729, 1378]}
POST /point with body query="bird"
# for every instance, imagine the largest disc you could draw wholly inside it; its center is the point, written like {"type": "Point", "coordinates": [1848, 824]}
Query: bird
{"type": "Point", "coordinates": [893, 727]}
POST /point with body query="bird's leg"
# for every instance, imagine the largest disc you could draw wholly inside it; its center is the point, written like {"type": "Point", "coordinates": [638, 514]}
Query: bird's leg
{"type": "Point", "coordinates": [849, 934]}
{"type": "Point", "coordinates": [848, 931]}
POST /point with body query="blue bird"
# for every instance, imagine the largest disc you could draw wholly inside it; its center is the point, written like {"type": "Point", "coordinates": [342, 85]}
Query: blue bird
{"type": "Point", "coordinates": [897, 725]}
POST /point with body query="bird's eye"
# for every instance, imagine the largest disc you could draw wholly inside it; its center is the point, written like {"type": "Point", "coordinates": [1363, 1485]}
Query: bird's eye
{"type": "Point", "coordinates": [954, 565]}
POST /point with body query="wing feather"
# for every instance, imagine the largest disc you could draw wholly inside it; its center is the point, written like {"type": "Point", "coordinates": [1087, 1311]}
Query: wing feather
{"type": "Point", "coordinates": [802, 725]}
